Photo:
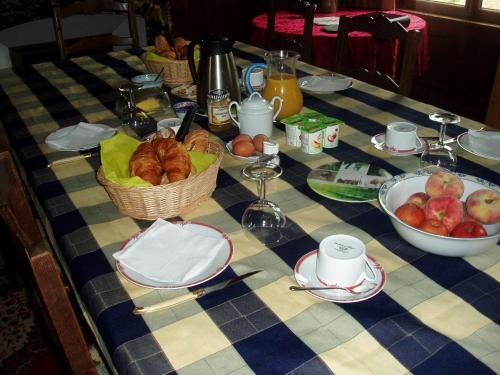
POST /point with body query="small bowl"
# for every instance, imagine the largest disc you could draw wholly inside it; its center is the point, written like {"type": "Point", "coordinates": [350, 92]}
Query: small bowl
{"type": "Point", "coordinates": [395, 192]}
{"type": "Point", "coordinates": [173, 123]}
{"type": "Point", "coordinates": [182, 108]}
{"type": "Point", "coordinates": [147, 80]}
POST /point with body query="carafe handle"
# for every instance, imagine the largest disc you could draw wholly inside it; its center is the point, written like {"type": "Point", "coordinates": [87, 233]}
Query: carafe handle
{"type": "Point", "coordinates": [279, 107]}
{"type": "Point", "coordinates": [190, 56]}
{"type": "Point", "coordinates": [249, 71]}
{"type": "Point", "coordinates": [237, 110]}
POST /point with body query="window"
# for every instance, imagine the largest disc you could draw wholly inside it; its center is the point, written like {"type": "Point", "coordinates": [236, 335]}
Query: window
{"type": "Point", "coordinates": [476, 10]}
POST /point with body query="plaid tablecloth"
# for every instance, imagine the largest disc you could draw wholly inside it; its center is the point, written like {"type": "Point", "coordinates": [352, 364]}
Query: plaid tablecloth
{"type": "Point", "coordinates": [435, 315]}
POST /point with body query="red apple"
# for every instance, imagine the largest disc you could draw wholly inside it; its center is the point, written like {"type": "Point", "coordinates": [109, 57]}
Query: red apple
{"type": "Point", "coordinates": [418, 199]}
{"type": "Point", "coordinates": [444, 183]}
{"type": "Point", "coordinates": [434, 226]}
{"type": "Point", "coordinates": [411, 214]}
{"type": "Point", "coordinates": [447, 209]}
{"type": "Point", "coordinates": [484, 206]}
{"type": "Point", "coordinates": [468, 229]}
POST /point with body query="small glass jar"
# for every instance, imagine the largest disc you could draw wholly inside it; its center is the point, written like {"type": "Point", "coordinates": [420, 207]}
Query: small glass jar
{"type": "Point", "coordinates": [218, 110]}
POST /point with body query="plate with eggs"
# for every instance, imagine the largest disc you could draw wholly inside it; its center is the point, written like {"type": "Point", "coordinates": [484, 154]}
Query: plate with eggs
{"type": "Point", "coordinates": [245, 148]}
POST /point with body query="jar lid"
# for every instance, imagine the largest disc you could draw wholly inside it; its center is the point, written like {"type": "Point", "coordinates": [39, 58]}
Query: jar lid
{"type": "Point", "coordinates": [256, 104]}
{"type": "Point", "coordinates": [218, 94]}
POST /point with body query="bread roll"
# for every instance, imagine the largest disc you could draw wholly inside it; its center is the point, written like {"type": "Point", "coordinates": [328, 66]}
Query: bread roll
{"type": "Point", "coordinates": [145, 164]}
{"type": "Point", "coordinates": [196, 140]}
{"type": "Point", "coordinates": [173, 157]}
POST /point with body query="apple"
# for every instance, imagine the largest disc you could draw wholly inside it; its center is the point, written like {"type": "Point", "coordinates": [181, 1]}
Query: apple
{"type": "Point", "coordinates": [468, 229]}
{"type": "Point", "coordinates": [484, 206]}
{"type": "Point", "coordinates": [445, 208]}
{"type": "Point", "coordinates": [444, 183]}
{"type": "Point", "coordinates": [411, 214]}
{"type": "Point", "coordinates": [419, 199]}
{"type": "Point", "coordinates": [434, 226]}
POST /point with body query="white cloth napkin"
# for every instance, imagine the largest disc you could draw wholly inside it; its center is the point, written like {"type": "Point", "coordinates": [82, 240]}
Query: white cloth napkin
{"type": "Point", "coordinates": [170, 253]}
{"type": "Point", "coordinates": [80, 136]}
{"type": "Point", "coordinates": [326, 21]}
{"type": "Point", "coordinates": [487, 142]}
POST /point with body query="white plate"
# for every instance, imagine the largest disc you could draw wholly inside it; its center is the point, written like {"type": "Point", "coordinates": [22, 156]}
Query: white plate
{"type": "Point", "coordinates": [305, 275]}
{"type": "Point", "coordinates": [222, 261]}
{"type": "Point", "coordinates": [326, 21]}
{"type": "Point", "coordinates": [63, 132]}
{"type": "Point", "coordinates": [187, 90]}
{"type": "Point", "coordinates": [378, 142]}
{"type": "Point", "coordinates": [250, 159]}
{"type": "Point", "coordinates": [463, 141]}
{"type": "Point", "coordinates": [324, 84]}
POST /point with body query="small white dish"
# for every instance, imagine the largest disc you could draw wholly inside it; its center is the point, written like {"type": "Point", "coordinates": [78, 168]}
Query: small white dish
{"type": "Point", "coordinates": [324, 84]}
{"type": "Point", "coordinates": [305, 275]}
{"type": "Point", "coordinates": [172, 123]}
{"type": "Point", "coordinates": [77, 141]}
{"type": "Point", "coordinates": [485, 150]}
{"type": "Point", "coordinates": [186, 90]}
{"type": "Point", "coordinates": [147, 80]}
{"type": "Point", "coordinates": [250, 159]}
{"type": "Point", "coordinates": [220, 264]}
{"type": "Point", "coordinates": [181, 108]}
{"type": "Point", "coordinates": [378, 142]}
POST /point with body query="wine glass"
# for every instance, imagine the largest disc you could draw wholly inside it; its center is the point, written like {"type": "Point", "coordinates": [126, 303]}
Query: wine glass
{"type": "Point", "coordinates": [262, 217]}
{"type": "Point", "coordinates": [439, 154]}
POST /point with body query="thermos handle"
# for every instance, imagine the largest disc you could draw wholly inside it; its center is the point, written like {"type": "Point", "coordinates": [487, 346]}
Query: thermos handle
{"type": "Point", "coordinates": [249, 71]}
{"type": "Point", "coordinates": [190, 56]}
{"type": "Point", "coordinates": [280, 106]}
{"type": "Point", "coordinates": [231, 114]}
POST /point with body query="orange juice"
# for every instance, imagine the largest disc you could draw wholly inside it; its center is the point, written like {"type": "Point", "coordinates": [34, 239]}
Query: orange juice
{"type": "Point", "coordinates": [284, 85]}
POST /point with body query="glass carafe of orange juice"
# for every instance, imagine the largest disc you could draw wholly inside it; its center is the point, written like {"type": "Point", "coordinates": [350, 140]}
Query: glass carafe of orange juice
{"type": "Point", "coordinates": [281, 80]}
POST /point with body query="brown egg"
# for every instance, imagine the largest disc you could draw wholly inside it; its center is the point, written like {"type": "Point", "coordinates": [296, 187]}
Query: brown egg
{"type": "Point", "coordinates": [258, 141]}
{"type": "Point", "coordinates": [242, 137]}
{"type": "Point", "coordinates": [243, 148]}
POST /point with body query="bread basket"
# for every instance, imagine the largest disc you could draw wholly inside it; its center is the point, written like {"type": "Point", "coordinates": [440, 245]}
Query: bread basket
{"type": "Point", "coordinates": [168, 200]}
{"type": "Point", "coordinates": [174, 73]}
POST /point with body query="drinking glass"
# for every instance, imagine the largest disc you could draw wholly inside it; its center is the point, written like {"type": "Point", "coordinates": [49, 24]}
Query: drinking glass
{"type": "Point", "coordinates": [133, 118]}
{"type": "Point", "coordinates": [262, 217]}
{"type": "Point", "coordinates": [439, 154]}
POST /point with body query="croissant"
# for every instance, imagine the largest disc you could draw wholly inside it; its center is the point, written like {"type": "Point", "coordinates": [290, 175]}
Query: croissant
{"type": "Point", "coordinates": [145, 164]}
{"type": "Point", "coordinates": [196, 140]}
{"type": "Point", "coordinates": [173, 157]}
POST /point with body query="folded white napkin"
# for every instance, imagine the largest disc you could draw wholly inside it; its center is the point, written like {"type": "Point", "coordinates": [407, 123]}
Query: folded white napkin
{"type": "Point", "coordinates": [170, 253]}
{"type": "Point", "coordinates": [326, 21]}
{"type": "Point", "coordinates": [326, 83]}
{"type": "Point", "coordinates": [487, 142]}
{"type": "Point", "coordinates": [79, 137]}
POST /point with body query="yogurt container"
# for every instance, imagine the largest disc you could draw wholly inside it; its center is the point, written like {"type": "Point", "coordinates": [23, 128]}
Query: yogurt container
{"type": "Point", "coordinates": [311, 139]}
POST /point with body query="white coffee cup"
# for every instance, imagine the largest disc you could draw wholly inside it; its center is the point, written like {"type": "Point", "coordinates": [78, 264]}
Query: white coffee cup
{"type": "Point", "coordinates": [342, 261]}
{"type": "Point", "coordinates": [401, 137]}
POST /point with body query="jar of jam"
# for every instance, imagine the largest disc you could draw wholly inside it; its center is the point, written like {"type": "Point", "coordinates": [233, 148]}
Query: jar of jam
{"type": "Point", "coordinates": [218, 110]}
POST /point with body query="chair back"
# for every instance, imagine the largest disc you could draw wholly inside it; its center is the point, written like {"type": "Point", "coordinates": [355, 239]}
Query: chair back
{"type": "Point", "coordinates": [96, 42]}
{"type": "Point", "coordinates": [381, 29]}
{"type": "Point", "coordinates": [35, 253]}
{"type": "Point", "coordinates": [302, 45]}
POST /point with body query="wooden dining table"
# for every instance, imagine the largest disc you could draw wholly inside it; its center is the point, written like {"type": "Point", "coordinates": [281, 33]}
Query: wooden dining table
{"type": "Point", "coordinates": [435, 314]}
{"type": "Point", "coordinates": [364, 51]}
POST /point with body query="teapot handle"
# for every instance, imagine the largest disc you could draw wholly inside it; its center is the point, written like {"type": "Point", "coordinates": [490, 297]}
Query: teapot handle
{"type": "Point", "coordinates": [280, 106]}
{"type": "Point", "coordinates": [249, 71]}
{"type": "Point", "coordinates": [231, 114]}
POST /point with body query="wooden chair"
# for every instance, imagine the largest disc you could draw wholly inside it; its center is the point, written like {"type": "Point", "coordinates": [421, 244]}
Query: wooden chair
{"type": "Point", "coordinates": [50, 290]}
{"type": "Point", "coordinates": [381, 29]}
{"type": "Point", "coordinates": [97, 42]}
{"type": "Point", "coordinates": [303, 46]}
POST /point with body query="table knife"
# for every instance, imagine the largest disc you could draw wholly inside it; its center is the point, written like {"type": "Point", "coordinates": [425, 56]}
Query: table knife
{"type": "Point", "coordinates": [198, 293]}
{"type": "Point", "coordinates": [69, 159]}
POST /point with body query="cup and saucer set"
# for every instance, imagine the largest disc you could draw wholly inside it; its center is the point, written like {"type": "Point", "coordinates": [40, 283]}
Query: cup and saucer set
{"type": "Point", "coordinates": [400, 139]}
{"type": "Point", "coordinates": [339, 271]}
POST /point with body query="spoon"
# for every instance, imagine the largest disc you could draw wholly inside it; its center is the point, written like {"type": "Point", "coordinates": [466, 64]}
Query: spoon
{"type": "Point", "coordinates": [351, 290]}
{"type": "Point", "coordinates": [158, 76]}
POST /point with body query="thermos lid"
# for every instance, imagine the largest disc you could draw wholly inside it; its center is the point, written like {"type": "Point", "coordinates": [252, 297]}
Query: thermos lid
{"type": "Point", "coordinates": [256, 104]}
{"type": "Point", "coordinates": [216, 45]}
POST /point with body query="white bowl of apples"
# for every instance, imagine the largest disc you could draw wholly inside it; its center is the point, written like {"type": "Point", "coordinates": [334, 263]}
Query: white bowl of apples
{"type": "Point", "coordinates": [444, 213]}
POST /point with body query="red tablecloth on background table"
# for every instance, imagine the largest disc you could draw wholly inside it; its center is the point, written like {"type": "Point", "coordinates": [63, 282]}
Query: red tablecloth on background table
{"type": "Point", "coordinates": [362, 47]}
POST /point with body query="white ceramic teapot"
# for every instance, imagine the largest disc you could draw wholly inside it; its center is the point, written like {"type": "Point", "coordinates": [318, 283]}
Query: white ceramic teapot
{"type": "Point", "coordinates": [256, 114]}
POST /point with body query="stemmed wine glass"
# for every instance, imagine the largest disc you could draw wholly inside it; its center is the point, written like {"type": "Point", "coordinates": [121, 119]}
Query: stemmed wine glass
{"type": "Point", "coordinates": [439, 154]}
{"type": "Point", "coordinates": [262, 217]}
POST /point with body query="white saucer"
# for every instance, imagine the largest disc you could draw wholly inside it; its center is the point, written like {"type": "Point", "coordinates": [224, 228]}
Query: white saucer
{"type": "Point", "coordinates": [220, 264]}
{"type": "Point", "coordinates": [79, 143]}
{"type": "Point", "coordinates": [485, 151]}
{"type": "Point", "coordinates": [305, 275]}
{"type": "Point", "coordinates": [378, 142]}
{"type": "Point", "coordinates": [324, 84]}
{"type": "Point", "coordinates": [250, 159]}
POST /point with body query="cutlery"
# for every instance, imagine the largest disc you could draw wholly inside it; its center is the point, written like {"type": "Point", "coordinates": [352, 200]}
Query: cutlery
{"type": "Point", "coordinates": [351, 290]}
{"type": "Point", "coordinates": [159, 74]}
{"type": "Point", "coordinates": [198, 293]}
{"type": "Point", "coordinates": [68, 160]}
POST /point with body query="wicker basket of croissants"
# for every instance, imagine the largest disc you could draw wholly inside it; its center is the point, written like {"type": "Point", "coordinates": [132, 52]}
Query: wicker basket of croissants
{"type": "Point", "coordinates": [177, 187]}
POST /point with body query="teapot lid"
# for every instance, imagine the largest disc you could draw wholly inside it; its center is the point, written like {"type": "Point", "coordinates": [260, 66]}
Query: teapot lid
{"type": "Point", "coordinates": [256, 104]}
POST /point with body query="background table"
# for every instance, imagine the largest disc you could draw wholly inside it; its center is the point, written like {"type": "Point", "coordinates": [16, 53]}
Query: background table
{"type": "Point", "coordinates": [435, 314]}
{"type": "Point", "coordinates": [361, 45]}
